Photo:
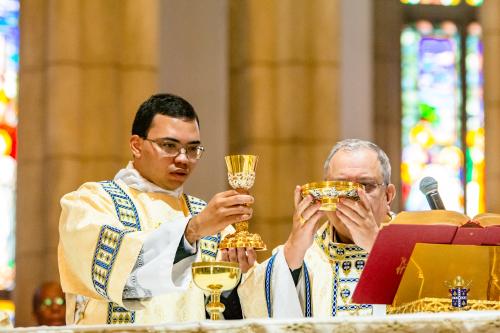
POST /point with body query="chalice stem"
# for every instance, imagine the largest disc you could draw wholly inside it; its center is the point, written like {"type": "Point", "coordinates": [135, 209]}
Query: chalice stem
{"type": "Point", "coordinates": [241, 226]}
{"type": "Point", "coordinates": [215, 307]}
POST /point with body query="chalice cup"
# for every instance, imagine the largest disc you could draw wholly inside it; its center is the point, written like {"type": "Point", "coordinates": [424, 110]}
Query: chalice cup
{"type": "Point", "coordinates": [215, 277]}
{"type": "Point", "coordinates": [241, 176]}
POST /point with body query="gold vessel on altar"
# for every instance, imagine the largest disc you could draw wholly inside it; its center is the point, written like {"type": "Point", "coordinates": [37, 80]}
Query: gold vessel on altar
{"type": "Point", "coordinates": [330, 192]}
{"type": "Point", "coordinates": [215, 277]}
{"type": "Point", "coordinates": [241, 177]}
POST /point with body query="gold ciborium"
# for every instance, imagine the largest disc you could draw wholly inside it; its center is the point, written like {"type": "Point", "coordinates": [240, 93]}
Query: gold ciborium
{"type": "Point", "coordinates": [241, 176]}
{"type": "Point", "coordinates": [330, 192]}
{"type": "Point", "coordinates": [215, 277]}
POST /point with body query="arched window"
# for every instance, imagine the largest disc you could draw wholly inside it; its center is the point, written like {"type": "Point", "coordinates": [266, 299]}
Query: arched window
{"type": "Point", "coordinates": [442, 123]}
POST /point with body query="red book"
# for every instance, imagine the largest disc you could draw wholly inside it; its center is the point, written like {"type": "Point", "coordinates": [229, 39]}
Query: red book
{"type": "Point", "coordinates": [394, 245]}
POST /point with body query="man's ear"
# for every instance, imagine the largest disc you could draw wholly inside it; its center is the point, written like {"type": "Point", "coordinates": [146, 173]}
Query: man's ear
{"type": "Point", "coordinates": [390, 193]}
{"type": "Point", "coordinates": [136, 145]}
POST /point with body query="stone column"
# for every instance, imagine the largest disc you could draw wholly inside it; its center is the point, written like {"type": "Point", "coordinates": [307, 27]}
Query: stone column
{"type": "Point", "coordinates": [388, 20]}
{"type": "Point", "coordinates": [284, 99]}
{"type": "Point", "coordinates": [85, 67]}
{"type": "Point", "coordinates": [491, 38]}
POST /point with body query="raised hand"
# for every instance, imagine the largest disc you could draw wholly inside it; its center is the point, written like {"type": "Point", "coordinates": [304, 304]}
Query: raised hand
{"type": "Point", "coordinates": [245, 257]}
{"type": "Point", "coordinates": [304, 227]}
{"type": "Point", "coordinates": [358, 218]}
{"type": "Point", "coordinates": [222, 210]}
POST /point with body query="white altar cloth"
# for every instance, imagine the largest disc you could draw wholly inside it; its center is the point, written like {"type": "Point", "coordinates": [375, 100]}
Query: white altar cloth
{"type": "Point", "coordinates": [451, 322]}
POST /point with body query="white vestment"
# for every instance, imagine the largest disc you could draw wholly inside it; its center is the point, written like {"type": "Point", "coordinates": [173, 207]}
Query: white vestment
{"type": "Point", "coordinates": [118, 241]}
{"type": "Point", "coordinates": [327, 281]}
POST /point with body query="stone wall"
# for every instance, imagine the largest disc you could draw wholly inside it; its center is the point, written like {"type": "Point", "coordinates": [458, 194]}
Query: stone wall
{"type": "Point", "coordinates": [284, 99]}
{"type": "Point", "coordinates": [85, 67]}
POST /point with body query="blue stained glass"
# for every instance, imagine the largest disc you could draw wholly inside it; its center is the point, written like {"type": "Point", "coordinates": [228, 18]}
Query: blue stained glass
{"type": "Point", "coordinates": [475, 166]}
{"type": "Point", "coordinates": [432, 136]}
{"type": "Point", "coordinates": [431, 126]}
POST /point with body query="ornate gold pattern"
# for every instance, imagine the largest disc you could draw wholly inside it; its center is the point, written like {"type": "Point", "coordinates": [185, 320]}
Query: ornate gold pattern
{"type": "Point", "coordinates": [329, 192]}
{"type": "Point", "coordinates": [241, 180]}
{"type": "Point", "coordinates": [241, 175]}
{"type": "Point", "coordinates": [430, 304]}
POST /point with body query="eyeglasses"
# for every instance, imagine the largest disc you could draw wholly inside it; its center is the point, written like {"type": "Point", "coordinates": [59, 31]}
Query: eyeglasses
{"type": "Point", "coordinates": [173, 149]}
{"type": "Point", "coordinates": [370, 187]}
{"type": "Point", "coordinates": [47, 302]}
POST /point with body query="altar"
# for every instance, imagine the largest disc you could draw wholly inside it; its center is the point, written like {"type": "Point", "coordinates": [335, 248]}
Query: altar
{"type": "Point", "coordinates": [456, 322]}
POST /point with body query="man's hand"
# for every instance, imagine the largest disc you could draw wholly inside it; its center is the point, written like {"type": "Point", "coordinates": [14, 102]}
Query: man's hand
{"type": "Point", "coordinates": [358, 217]}
{"type": "Point", "coordinates": [222, 210]}
{"type": "Point", "coordinates": [245, 257]}
{"type": "Point", "coordinates": [305, 225]}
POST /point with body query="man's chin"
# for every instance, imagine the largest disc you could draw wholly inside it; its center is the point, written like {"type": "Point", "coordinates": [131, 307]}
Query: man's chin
{"type": "Point", "coordinates": [172, 185]}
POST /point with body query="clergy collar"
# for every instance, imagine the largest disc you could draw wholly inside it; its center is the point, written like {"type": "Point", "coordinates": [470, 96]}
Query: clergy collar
{"type": "Point", "coordinates": [132, 178]}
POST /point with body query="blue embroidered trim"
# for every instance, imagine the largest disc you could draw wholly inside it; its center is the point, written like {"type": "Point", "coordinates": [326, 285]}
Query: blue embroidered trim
{"type": "Point", "coordinates": [209, 253]}
{"type": "Point", "coordinates": [356, 256]}
{"type": "Point", "coordinates": [195, 206]}
{"type": "Point", "coordinates": [308, 292]}
{"type": "Point", "coordinates": [267, 286]}
{"type": "Point", "coordinates": [107, 247]}
{"type": "Point", "coordinates": [348, 279]}
{"type": "Point", "coordinates": [354, 307]}
{"type": "Point", "coordinates": [119, 315]}
{"type": "Point", "coordinates": [125, 208]}
{"type": "Point", "coordinates": [335, 287]}
{"type": "Point", "coordinates": [212, 238]}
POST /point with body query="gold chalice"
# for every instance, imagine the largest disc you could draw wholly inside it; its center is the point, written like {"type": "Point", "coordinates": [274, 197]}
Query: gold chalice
{"type": "Point", "coordinates": [329, 192]}
{"type": "Point", "coordinates": [215, 277]}
{"type": "Point", "coordinates": [241, 176]}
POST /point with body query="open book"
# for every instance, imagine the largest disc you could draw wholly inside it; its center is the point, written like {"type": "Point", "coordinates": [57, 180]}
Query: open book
{"type": "Point", "coordinates": [393, 247]}
{"type": "Point", "coordinates": [477, 236]}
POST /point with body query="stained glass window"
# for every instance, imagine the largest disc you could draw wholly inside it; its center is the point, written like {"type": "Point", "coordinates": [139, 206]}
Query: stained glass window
{"type": "Point", "coordinates": [432, 133]}
{"type": "Point", "coordinates": [9, 65]}
{"type": "Point", "coordinates": [474, 140]}
{"type": "Point", "coordinates": [474, 3]}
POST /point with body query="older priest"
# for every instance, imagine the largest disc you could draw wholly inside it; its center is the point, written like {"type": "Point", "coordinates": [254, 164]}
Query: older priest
{"type": "Point", "coordinates": [126, 245]}
{"type": "Point", "coordinates": [316, 271]}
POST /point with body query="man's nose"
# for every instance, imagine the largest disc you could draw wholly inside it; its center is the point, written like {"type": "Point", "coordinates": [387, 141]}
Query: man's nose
{"type": "Point", "coordinates": [182, 157]}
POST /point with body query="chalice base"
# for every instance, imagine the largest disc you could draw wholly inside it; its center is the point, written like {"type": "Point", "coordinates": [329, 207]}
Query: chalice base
{"type": "Point", "coordinates": [243, 239]}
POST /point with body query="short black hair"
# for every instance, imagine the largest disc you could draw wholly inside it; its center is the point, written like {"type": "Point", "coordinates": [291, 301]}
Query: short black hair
{"type": "Point", "coordinates": [164, 104]}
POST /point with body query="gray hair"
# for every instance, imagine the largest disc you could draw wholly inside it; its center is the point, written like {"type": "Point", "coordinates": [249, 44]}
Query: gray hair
{"type": "Point", "coordinates": [357, 144]}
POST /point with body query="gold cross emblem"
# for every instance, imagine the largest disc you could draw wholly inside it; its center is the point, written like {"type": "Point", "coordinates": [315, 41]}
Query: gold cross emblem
{"type": "Point", "coordinates": [402, 266]}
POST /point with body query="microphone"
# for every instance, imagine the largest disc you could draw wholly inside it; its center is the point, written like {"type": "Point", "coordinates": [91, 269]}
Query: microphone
{"type": "Point", "coordinates": [429, 188]}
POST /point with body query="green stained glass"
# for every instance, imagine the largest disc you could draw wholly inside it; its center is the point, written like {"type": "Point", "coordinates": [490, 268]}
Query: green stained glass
{"type": "Point", "coordinates": [474, 139]}
{"type": "Point", "coordinates": [432, 136]}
